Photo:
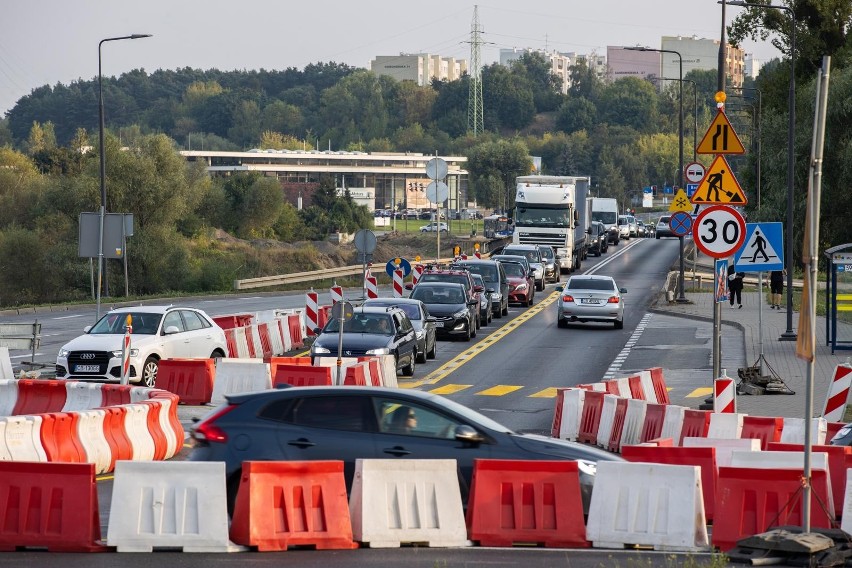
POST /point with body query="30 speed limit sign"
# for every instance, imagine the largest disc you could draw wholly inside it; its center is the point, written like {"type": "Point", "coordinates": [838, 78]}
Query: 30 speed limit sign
{"type": "Point", "coordinates": [719, 231]}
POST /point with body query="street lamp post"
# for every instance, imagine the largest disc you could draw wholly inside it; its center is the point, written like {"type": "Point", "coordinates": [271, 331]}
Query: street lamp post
{"type": "Point", "coordinates": [789, 334]}
{"type": "Point", "coordinates": [681, 297]}
{"type": "Point", "coordinates": [101, 260]}
{"type": "Point", "coordinates": [758, 129]}
{"type": "Point", "coordinates": [695, 116]}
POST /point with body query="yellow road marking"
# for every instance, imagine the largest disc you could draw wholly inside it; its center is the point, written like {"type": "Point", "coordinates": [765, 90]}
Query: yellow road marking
{"type": "Point", "coordinates": [499, 390]}
{"type": "Point", "coordinates": [549, 392]}
{"type": "Point", "coordinates": [465, 356]}
{"type": "Point", "coordinates": [450, 389]}
{"type": "Point", "coordinates": [699, 392]}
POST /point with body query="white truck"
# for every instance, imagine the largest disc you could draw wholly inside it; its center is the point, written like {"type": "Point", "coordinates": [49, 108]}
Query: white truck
{"type": "Point", "coordinates": [605, 210]}
{"type": "Point", "coordinates": [551, 210]}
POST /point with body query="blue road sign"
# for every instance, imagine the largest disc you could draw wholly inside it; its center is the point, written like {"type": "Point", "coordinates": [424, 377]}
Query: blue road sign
{"type": "Point", "coordinates": [763, 248]}
{"type": "Point", "coordinates": [392, 265]}
{"type": "Point", "coordinates": [680, 223]}
{"type": "Point", "coordinates": [690, 189]}
{"type": "Point", "coordinates": [720, 286]}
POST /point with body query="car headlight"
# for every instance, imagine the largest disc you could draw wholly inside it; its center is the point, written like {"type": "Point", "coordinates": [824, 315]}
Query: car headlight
{"type": "Point", "coordinates": [319, 349]}
{"type": "Point", "coordinates": [460, 314]}
{"type": "Point", "coordinates": [420, 333]}
{"type": "Point", "coordinates": [521, 286]}
{"type": "Point", "coordinates": [381, 351]}
{"type": "Point", "coordinates": [64, 352]}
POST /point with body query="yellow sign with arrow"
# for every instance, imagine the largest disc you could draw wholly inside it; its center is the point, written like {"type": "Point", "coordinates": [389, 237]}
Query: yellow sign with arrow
{"type": "Point", "coordinates": [720, 138]}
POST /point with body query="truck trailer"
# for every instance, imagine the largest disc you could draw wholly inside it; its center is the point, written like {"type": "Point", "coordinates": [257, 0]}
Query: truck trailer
{"type": "Point", "coordinates": [605, 210]}
{"type": "Point", "coordinates": [551, 210]}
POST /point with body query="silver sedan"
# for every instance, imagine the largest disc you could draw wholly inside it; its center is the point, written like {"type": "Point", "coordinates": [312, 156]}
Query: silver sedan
{"type": "Point", "coordinates": [590, 299]}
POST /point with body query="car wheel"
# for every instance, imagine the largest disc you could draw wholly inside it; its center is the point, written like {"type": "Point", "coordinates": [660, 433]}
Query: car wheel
{"type": "Point", "coordinates": [619, 324]}
{"type": "Point", "coordinates": [473, 330]}
{"type": "Point", "coordinates": [149, 371]}
{"type": "Point", "coordinates": [467, 334]}
{"type": "Point", "coordinates": [421, 357]}
{"type": "Point", "coordinates": [658, 237]}
{"type": "Point", "coordinates": [232, 486]}
{"type": "Point", "coordinates": [478, 321]}
{"type": "Point", "coordinates": [432, 353]}
{"type": "Point", "coordinates": [561, 323]}
{"type": "Point", "coordinates": [409, 369]}
{"type": "Point", "coordinates": [505, 311]}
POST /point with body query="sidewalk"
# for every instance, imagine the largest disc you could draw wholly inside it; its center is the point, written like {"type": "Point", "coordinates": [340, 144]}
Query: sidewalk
{"type": "Point", "coordinates": [780, 355]}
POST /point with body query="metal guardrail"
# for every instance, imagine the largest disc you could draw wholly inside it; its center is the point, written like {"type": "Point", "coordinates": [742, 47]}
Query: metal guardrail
{"type": "Point", "coordinates": [21, 336]}
{"type": "Point", "coordinates": [280, 280]}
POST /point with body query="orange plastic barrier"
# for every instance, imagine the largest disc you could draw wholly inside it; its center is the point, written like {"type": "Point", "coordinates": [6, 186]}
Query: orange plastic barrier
{"type": "Point", "coordinates": [375, 369]}
{"type": "Point", "coordinates": [275, 361]}
{"type": "Point", "coordinates": [282, 504]}
{"type": "Point", "coordinates": [614, 443]}
{"type": "Point", "coordinates": [636, 390]}
{"type": "Point", "coordinates": [49, 505]}
{"type": "Point", "coordinates": [515, 501]}
{"type": "Point", "coordinates": [161, 443]}
{"type": "Point", "coordinates": [612, 387]}
{"type": "Point", "coordinates": [696, 424]}
{"type": "Point", "coordinates": [173, 419]}
{"type": "Point", "coordinates": [556, 425]}
{"type": "Point", "coordinates": [323, 315]}
{"type": "Point", "coordinates": [355, 376]}
{"type": "Point", "coordinates": [114, 395]}
{"type": "Point", "coordinates": [838, 462]}
{"type": "Point", "coordinates": [832, 428]}
{"type": "Point", "coordinates": [660, 442]}
{"type": "Point", "coordinates": [60, 439]}
{"type": "Point", "coordinates": [121, 448]}
{"type": "Point", "coordinates": [301, 376]}
{"type": "Point", "coordinates": [591, 419]}
{"type": "Point", "coordinates": [705, 458]}
{"type": "Point", "coordinates": [233, 320]}
{"type": "Point", "coordinates": [752, 501]}
{"type": "Point", "coordinates": [191, 379]}
{"type": "Point", "coordinates": [40, 396]}
{"type": "Point", "coordinates": [295, 325]}
{"type": "Point", "coordinates": [659, 383]}
{"type": "Point", "coordinates": [653, 425]}
{"type": "Point", "coordinates": [231, 342]}
{"type": "Point", "coordinates": [764, 428]}
{"type": "Point", "coordinates": [265, 334]}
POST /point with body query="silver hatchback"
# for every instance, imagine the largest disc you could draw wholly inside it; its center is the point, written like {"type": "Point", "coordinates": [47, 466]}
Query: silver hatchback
{"type": "Point", "coordinates": [590, 298]}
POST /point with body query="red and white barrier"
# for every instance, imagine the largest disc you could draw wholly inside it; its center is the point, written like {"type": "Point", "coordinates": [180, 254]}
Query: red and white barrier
{"type": "Point", "coordinates": [397, 283]}
{"type": "Point", "coordinates": [724, 395]}
{"type": "Point", "coordinates": [372, 287]}
{"type": "Point", "coordinates": [838, 393]}
{"type": "Point", "coordinates": [416, 273]}
{"type": "Point", "coordinates": [311, 312]}
{"type": "Point", "coordinates": [336, 294]}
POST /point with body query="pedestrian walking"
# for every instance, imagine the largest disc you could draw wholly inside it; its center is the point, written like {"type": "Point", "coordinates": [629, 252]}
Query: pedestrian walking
{"type": "Point", "coordinates": [776, 287]}
{"type": "Point", "coordinates": [735, 286]}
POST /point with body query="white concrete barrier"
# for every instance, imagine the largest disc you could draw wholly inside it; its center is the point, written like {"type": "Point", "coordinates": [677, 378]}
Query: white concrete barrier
{"type": "Point", "coordinates": [623, 385]}
{"type": "Point", "coordinates": [724, 447]}
{"type": "Point", "coordinates": [725, 425]}
{"type": "Point", "coordinates": [345, 363]}
{"type": "Point", "coordinates": [572, 412]}
{"type": "Point", "coordinates": [647, 504]}
{"type": "Point", "coordinates": [793, 431]}
{"type": "Point", "coordinates": [169, 505]}
{"type": "Point", "coordinates": [648, 387]}
{"type": "Point", "coordinates": [673, 423]}
{"type": "Point", "coordinates": [239, 375]}
{"type": "Point", "coordinates": [634, 419]}
{"type": "Point", "coordinates": [6, 372]}
{"type": "Point", "coordinates": [8, 396]}
{"type": "Point", "coordinates": [607, 419]}
{"type": "Point", "coordinates": [846, 520]}
{"type": "Point", "coordinates": [90, 429]}
{"type": "Point", "coordinates": [82, 396]}
{"type": "Point", "coordinates": [23, 438]}
{"type": "Point", "coordinates": [407, 501]}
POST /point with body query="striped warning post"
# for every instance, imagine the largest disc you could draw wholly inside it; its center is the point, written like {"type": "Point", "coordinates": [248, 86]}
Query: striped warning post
{"type": "Point", "coordinates": [397, 283]}
{"type": "Point", "coordinates": [125, 351]}
{"type": "Point", "coordinates": [838, 393]}
{"type": "Point", "coordinates": [372, 287]}
{"type": "Point", "coordinates": [477, 255]}
{"type": "Point", "coordinates": [336, 294]}
{"type": "Point", "coordinates": [724, 395]}
{"type": "Point", "coordinates": [416, 273]}
{"type": "Point", "coordinates": [311, 311]}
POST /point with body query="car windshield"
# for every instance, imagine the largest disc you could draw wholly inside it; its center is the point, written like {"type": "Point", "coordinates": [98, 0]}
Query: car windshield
{"type": "Point", "coordinates": [143, 323]}
{"type": "Point", "coordinates": [514, 269]}
{"type": "Point", "coordinates": [438, 295]}
{"type": "Point", "coordinates": [456, 278]}
{"type": "Point", "coordinates": [547, 253]}
{"type": "Point", "coordinates": [590, 284]}
{"type": "Point", "coordinates": [488, 272]}
{"type": "Point", "coordinates": [378, 324]}
{"type": "Point", "coordinates": [530, 255]}
{"type": "Point", "coordinates": [411, 310]}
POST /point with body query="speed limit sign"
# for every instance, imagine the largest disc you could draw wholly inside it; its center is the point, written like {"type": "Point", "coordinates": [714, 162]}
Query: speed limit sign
{"type": "Point", "coordinates": [719, 231]}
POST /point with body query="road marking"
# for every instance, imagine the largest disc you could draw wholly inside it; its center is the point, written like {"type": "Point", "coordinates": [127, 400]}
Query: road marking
{"type": "Point", "coordinates": [549, 392]}
{"type": "Point", "coordinates": [615, 367]}
{"type": "Point", "coordinates": [499, 390]}
{"type": "Point", "coordinates": [68, 317]}
{"type": "Point", "coordinates": [450, 389]}
{"type": "Point", "coordinates": [700, 392]}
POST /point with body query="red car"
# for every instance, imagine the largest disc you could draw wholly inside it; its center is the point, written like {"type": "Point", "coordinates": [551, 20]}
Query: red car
{"type": "Point", "coordinates": [521, 283]}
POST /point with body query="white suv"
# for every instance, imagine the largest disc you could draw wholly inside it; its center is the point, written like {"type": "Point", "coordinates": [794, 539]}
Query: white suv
{"type": "Point", "coordinates": [159, 332]}
{"type": "Point", "coordinates": [433, 227]}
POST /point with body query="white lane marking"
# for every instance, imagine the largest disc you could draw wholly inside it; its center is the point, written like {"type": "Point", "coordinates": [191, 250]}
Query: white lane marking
{"type": "Point", "coordinates": [615, 367]}
{"type": "Point", "coordinates": [68, 317]}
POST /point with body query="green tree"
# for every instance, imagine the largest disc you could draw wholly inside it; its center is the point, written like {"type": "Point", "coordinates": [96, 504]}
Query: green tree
{"type": "Point", "coordinates": [260, 208]}
{"type": "Point", "coordinates": [493, 167]}
{"type": "Point", "coordinates": [576, 113]}
{"type": "Point", "coordinates": [354, 109]}
{"type": "Point", "coordinates": [536, 71]}
{"type": "Point", "coordinates": [629, 102]}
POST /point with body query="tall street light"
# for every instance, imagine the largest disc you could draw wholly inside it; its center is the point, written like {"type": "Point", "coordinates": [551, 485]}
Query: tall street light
{"type": "Point", "coordinates": [759, 130]}
{"type": "Point", "coordinates": [681, 297]}
{"type": "Point", "coordinates": [101, 260]}
{"type": "Point", "coordinates": [789, 334]}
{"type": "Point", "coordinates": [695, 106]}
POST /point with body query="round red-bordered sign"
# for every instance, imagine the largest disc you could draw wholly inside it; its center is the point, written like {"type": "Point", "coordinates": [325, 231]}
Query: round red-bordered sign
{"type": "Point", "coordinates": [719, 231]}
{"type": "Point", "coordinates": [694, 172]}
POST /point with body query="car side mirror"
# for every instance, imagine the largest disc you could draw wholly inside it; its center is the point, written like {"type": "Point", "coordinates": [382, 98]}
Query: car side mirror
{"type": "Point", "coordinates": [489, 290]}
{"type": "Point", "coordinates": [623, 290]}
{"type": "Point", "coordinates": [170, 330]}
{"type": "Point", "coordinates": [87, 328]}
{"type": "Point", "coordinates": [317, 331]}
{"type": "Point", "coordinates": [560, 288]}
{"type": "Point", "coordinates": [478, 288]}
{"type": "Point", "coordinates": [409, 286]}
{"type": "Point", "coordinates": [532, 272]}
{"type": "Point", "coordinates": [465, 433]}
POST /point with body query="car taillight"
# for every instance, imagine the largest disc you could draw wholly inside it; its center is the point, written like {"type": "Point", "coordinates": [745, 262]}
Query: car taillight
{"type": "Point", "coordinates": [612, 300]}
{"type": "Point", "coordinates": [207, 429]}
{"type": "Point", "coordinates": [567, 298]}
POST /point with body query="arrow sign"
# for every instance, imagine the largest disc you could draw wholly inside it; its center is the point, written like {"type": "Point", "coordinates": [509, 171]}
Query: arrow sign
{"type": "Point", "coordinates": [720, 138]}
{"type": "Point", "coordinates": [763, 249]}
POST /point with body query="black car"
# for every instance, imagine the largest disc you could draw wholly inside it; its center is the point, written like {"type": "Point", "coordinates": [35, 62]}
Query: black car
{"type": "Point", "coordinates": [495, 282]}
{"type": "Point", "coordinates": [552, 271]}
{"type": "Point", "coordinates": [351, 423]}
{"type": "Point", "coordinates": [424, 324]}
{"type": "Point", "coordinates": [484, 301]}
{"type": "Point", "coordinates": [598, 239]}
{"type": "Point", "coordinates": [371, 331]}
{"type": "Point", "coordinates": [454, 311]}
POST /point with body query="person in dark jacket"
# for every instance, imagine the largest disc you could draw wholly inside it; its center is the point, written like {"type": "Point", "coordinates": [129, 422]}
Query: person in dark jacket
{"type": "Point", "coordinates": [735, 286]}
{"type": "Point", "coordinates": [776, 287]}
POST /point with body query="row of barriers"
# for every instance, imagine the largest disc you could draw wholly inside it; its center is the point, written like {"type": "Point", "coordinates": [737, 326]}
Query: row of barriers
{"type": "Point", "coordinates": [69, 421]}
{"type": "Point", "coordinates": [655, 500]}
{"type": "Point", "coordinates": [269, 334]}
{"type": "Point", "coordinates": [208, 381]}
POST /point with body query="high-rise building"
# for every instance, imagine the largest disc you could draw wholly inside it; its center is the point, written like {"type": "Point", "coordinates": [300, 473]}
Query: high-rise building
{"type": "Point", "coordinates": [701, 53]}
{"type": "Point", "coordinates": [559, 62]}
{"type": "Point", "coordinates": [419, 67]}
{"type": "Point", "coordinates": [623, 62]}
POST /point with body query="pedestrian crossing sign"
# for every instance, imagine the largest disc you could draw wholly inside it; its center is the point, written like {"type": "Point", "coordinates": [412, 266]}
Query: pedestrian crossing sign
{"type": "Point", "coordinates": [763, 249]}
{"type": "Point", "coordinates": [719, 186]}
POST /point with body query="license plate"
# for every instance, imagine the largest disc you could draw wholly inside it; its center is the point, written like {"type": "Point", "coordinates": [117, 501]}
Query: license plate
{"type": "Point", "coordinates": [589, 301]}
{"type": "Point", "coordinates": [87, 368]}
{"type": "Point", "coordinates": [439, 324]}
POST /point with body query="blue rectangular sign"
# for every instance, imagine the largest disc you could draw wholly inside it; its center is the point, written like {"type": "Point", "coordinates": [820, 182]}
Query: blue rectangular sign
{"type": "Point", "coordinates": [690, 189]}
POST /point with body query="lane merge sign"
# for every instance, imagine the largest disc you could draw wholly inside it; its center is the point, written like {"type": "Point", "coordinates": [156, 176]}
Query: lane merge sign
{"type": "Point", "coordinates": [720, 138]}
{"type": "Point", "coordinates": [719, 231]}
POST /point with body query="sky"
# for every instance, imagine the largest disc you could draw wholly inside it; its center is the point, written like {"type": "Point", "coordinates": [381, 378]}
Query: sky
{"type": "Point", "coordinates": [47, 42]}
